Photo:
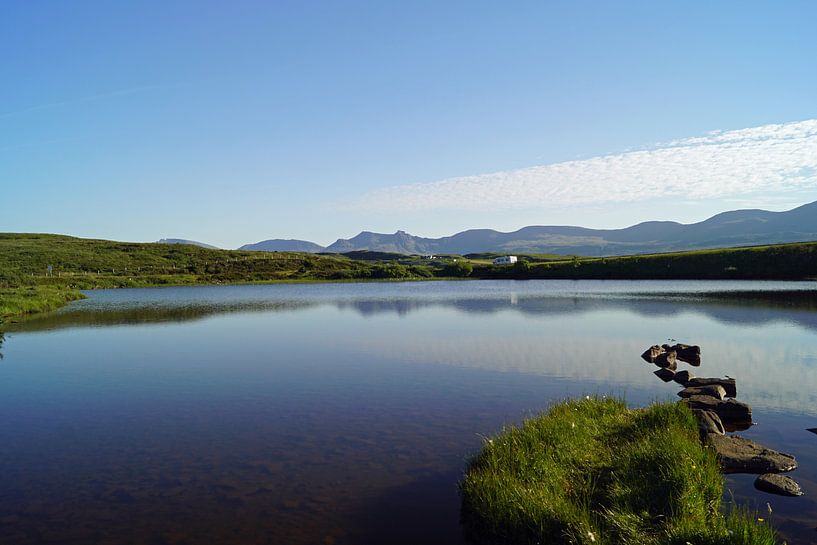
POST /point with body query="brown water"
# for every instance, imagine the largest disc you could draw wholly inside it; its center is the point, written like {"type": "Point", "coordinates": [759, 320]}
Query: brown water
{"type": "Point", "coordinates": [345, 413]}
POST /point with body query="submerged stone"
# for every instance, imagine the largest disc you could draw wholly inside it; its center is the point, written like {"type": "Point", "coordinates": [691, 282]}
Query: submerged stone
{"type": "Point", "coordinates": [778, 484]}
{"type": "Point", "coordinates": [740, 455]}
{"type": "Point", "coordinates": [682, 377]}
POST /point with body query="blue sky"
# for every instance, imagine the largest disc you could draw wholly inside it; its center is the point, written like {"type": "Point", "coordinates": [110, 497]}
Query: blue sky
{"type": "Point", "coordinates": [233, 122]}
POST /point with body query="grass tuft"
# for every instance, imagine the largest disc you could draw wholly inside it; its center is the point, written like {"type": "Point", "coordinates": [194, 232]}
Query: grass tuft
{"type": "Point", "coordinates": [592, 471]}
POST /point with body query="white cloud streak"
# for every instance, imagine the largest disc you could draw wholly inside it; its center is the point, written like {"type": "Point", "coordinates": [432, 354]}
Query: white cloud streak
{"type": "Point", "coordinates": [720, 164]}
{"type": "Point", "coordinates": [82, 100]}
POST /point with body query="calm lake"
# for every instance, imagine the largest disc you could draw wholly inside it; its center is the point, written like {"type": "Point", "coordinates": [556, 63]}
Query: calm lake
{"type": "Point", "coordinates": [345, 413]}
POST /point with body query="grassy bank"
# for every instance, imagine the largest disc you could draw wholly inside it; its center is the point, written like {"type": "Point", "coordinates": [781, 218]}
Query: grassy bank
{"type": "Point", "coordinates": [40, 272]}
{"type": "Point", "coordinates": [594, 472]}
{"type": "Point", "coordinates": [57, 266]}
{"type": "Point", "coordinates": [777, 262]}
{"type": "Point", "coordinates": [34, 299]}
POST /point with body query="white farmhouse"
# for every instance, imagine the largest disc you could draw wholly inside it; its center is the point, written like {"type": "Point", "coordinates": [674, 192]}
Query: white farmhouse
{"type": "Point", "coordinates": [505, 260]}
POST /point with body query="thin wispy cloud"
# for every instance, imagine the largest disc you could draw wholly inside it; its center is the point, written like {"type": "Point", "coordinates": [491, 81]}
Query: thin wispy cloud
{"type": "Point", "coordinates": [720, 164]}
{"type": "Point", "coordinates": [82, 100]}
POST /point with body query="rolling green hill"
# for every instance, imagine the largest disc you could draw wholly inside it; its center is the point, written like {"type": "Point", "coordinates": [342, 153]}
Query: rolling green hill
{"type": "Point", "coordinates": [796, 261]}
{"type": "Point", "coordinates": [28, 285]}
{"type": "Point", "coordinates": [40, 272]}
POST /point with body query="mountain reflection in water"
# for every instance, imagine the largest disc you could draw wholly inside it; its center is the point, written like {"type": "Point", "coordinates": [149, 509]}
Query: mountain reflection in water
{"type": "Point", "coordinates": [797, 306]}
{"type": "Point", "coordinates": [344, 413]}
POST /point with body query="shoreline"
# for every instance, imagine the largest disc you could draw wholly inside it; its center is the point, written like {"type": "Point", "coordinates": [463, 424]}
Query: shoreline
{"type": "Point", "coordinates": [52, 298]}
{"type": "Point", "coordinates": [45, 304]}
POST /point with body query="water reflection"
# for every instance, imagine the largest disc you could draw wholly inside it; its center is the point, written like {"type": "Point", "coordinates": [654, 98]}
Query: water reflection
{"type": "Point", "coordinates": [137, 314]}
{"type": "Point", "coordinates": [344, 414]}
{"type": "Point", "coordinates": [730, 307]}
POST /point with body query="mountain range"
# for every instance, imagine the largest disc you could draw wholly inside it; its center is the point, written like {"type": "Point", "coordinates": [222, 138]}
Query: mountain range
{"type": "Point", "coordinates": [734, 228]}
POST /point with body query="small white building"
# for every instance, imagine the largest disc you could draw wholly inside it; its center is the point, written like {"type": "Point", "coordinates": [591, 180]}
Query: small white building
{"type": "Point", "coordinates": [505, 260]}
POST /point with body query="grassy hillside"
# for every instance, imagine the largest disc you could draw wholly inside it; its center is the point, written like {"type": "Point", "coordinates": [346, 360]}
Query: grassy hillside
{"type": "Point", "coordinates": [88, 263]}
{"type": "Point", "coordinates": [27, 285]}
{"type": "Point", "coordinates": [779, 262]}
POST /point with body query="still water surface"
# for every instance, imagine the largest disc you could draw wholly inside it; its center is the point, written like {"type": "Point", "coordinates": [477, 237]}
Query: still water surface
{"type": "Point", "coordinates": [345, 413]}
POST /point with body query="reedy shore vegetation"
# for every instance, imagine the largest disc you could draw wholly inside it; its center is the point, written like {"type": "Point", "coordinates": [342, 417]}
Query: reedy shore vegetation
{"type": "Point", "coordinates": [34, 299]}
{"type": "Point", "coordinates": [592, 471]}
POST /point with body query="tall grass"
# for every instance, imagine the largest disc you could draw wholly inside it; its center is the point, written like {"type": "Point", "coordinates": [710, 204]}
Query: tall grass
{"type": "Point", "coordinates": [594, 472]}
{"type": "Point", "coordinates": [34, 299]}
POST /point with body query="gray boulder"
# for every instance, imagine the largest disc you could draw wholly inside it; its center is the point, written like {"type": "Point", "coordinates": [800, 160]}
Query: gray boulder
{"type": "Point", "coordinates": [778, 484]}
{"type": "Point", "coordinates": [715, 390]}
{"type": "Point", "coordinates": [739, 455]}
{"type": "Point", "coordinates": [687, 353]}
{"type": "Point", "coordinates": [664, 374]}
{"type": "Point", "coordinates": [682, 377]}
{"type": "Point", "coordinates": [708, 422]}
{"type": "Point", "coordinates": [727, 383]}
{"type": "Point", "coordinates": [667, 360]}
{"type": "Point", "coordinates": [734, 414]}
{"type": "Point", "coordinates": [652, 353]}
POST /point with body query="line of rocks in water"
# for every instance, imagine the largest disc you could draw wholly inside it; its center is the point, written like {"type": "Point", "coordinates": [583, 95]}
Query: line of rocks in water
{"type": "Point", "coordinates": [713, 403]}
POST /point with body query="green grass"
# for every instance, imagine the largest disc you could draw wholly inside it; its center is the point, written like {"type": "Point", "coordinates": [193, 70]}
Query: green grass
{"type": "Point", "coordinates": [593, 472]}
{"type": "Point", "coordinates": [34, 299]}
{"type": "Point", "coordinates": [776, 262]}
{"type": "Point", "coordinates": [78, 264]}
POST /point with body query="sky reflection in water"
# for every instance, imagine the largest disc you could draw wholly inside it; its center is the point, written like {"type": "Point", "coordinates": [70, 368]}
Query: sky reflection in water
{"type": "Point", "coordinates": [344, 413]}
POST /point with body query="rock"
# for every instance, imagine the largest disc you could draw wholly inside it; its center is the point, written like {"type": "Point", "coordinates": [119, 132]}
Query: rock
{"type": "Point", "coordinates": [740, 455]}
{"type": "Point", "coordinates": [664, 374]}
{"type": "Point", "coordinates": [682, 377]}
{"type": "Point", "coordinates": [727, 383]}
{"type": "Point", "coordinates": [652, 353]}
{"type": "Point", "coordinates": [708, 422]}
{"type": "Point", "coordinates": [778, 484]}
{"type": "Point", "coordinates": [687, 353]}
{"type": "Point", "coordinates": [734, 414]}
{"type": "Point", "coordinates": [715, 390]}
{"type": "Point", "coordinates": [666, 360]}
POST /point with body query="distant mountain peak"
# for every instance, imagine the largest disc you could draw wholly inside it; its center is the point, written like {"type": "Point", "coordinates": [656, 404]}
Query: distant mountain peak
{"type": "Point", "coordinates": [733, 228]}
